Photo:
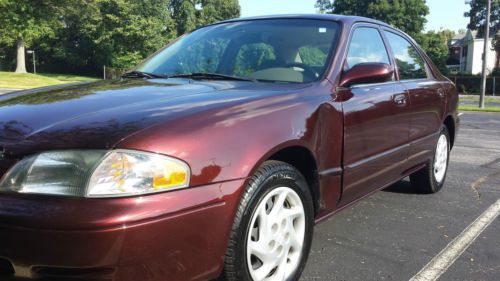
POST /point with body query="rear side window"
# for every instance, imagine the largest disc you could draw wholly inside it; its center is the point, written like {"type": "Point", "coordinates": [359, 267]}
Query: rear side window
{"type": "Point", "coordinates": [366, 46]}
{"type": "Point", "coordinates": [408, 60]}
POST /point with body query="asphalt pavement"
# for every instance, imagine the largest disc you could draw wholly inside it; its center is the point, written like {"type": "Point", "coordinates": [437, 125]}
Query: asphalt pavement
{"type": "Point", "coordinates": [393, 234]}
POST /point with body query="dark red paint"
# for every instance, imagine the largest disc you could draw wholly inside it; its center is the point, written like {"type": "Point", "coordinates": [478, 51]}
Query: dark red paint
{"type": "Point", "coordinates": [362, 139]}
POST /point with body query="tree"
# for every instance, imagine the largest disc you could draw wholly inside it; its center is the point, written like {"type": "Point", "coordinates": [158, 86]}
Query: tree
{"type": "Point", "coordinates": [190, 14]}
{"type": "Point", "coordinates": [477, 15]}
{"type": "Point", "coordinates": [131, 30]}
{"type": "Point", "coordinates": [218, 10]}
{"type": "Point", "coordinates": [184, 15]}
{"type": "Point", "coordinates": [23, 21]}
{"type": "Point", "coordinates": [343, 7]}
{"type": "Point", "coordinates": [80, 36]}
{"type": "Point", "coordinates": [435, 44]}
{"type": "Point", "coordinates": [116, 33]}
{"type": "Point", "coordinates": [407, 15]}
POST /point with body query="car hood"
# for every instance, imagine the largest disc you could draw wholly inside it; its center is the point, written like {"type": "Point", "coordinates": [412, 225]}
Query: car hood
{"type": "Point", "coordinates": [99, 115]}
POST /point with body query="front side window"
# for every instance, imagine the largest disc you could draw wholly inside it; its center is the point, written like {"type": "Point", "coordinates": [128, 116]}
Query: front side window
{"type": "Point", "coordinates": [366, 46]}
{"type": "Point", "coordinates": [410, 64]}
{"type": "Point", "coordinates": [283, 50]}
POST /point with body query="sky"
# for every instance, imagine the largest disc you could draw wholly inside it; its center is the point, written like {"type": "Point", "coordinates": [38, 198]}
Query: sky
{"type": "Point", "coordinates": [442, 14]}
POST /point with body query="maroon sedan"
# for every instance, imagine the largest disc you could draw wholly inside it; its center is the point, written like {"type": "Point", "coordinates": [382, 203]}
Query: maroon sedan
{"type": "Point", "coordinates": [217, 155]}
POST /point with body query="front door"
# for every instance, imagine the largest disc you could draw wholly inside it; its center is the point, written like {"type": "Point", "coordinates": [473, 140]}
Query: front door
{"type": "Point", "coordinates": [376, 122]}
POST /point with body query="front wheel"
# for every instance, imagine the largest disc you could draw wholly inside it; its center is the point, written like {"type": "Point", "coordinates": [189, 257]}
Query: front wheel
{"type": "Point", "coordinates": [272, 232]}
{"type": "Point", "coordinates": [431, 178]}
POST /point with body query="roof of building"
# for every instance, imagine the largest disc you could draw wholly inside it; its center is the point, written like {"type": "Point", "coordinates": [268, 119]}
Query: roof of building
{"type": "Point", "coordinates": [480, 35]}
{"type": "Point", "coordinates": [459, 36]}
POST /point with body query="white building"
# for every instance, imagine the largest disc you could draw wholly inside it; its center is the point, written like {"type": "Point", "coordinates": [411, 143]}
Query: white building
{"type": "Point", "coordinates": [466, 51]}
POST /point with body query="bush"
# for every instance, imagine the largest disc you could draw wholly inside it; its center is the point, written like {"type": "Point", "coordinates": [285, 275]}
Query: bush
{"type": "Point", "coordinates": [471, 84]}
{"type": "Point", "coordinates": [462, 89]}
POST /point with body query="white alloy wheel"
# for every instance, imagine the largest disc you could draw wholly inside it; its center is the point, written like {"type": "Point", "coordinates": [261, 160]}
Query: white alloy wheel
{"type": "Point", "coordinates": [275, 237]}
{"type": "Point", "coordinates": [441, 158]}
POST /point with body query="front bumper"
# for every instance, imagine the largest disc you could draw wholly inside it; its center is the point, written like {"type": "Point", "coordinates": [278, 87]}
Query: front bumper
{"type": "Point", "coordinates": [180, 235]}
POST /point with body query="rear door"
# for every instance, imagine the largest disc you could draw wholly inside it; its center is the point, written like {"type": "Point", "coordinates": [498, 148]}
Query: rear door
{"type": "Point", "coordinates": [427, 97]}
{"type": "Point", "coordinates": [376, 121]}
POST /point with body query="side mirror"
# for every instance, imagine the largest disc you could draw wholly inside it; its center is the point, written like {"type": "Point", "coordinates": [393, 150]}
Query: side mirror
{"type": "Point", "coordinates": [364, 73]}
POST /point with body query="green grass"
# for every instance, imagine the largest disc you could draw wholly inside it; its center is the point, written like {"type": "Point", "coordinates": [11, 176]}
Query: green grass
{"type": "Point", "coordinates": [27, 80]}
{"type": "Point", "coordinates": [476, 108]}
{"type": "Point", "coordinates": [486, 99]}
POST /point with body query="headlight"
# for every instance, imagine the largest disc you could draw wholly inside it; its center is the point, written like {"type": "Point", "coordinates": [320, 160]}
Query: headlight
{"type": "Point", "coordinates": [96, 173]}
{"type": "Point", "coordinates": [124, 173]}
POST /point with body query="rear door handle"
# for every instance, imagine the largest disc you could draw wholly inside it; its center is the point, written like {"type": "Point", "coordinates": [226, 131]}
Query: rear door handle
{"type": "Point", "coordinates": [440, 93]}
{"type": "Point", "coordinates": [400, 100]}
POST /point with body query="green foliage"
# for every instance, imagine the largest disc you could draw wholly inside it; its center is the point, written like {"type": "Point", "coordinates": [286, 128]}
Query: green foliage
{"type": "Point", "coordinates": [190, 14]}
{"type": "Point", "coordinates": [477, 14]}
{"type": "Point", "coordinates": [106, 32]}
{"type": "Point", "coordinates": [184, 14]}
{"type": "Point", "coordinates": [344, 7]}
{"type": "Point", "coordinates": [435, 44]}
{"type": "Point", "coordinates": [80, 36]}
{"type": "Point", "coordinates": [462, 89]}
{"type": "Point", "coordinates": [313, 56]}
{"type": "Point", "coordinates": [476, 108]}
{"type": "Point", "coordinates": [251, 56]}
{"type": "Point", "coordinates": [407, 15]}
{"type": "Point", "coordinates": [28, 19]}
{"type": "Point", "coordinates": [218, 10]}
{"type": "Point", "coordinates": [28, 80]}
{"type": "Point", "coordinates": [202, 56]}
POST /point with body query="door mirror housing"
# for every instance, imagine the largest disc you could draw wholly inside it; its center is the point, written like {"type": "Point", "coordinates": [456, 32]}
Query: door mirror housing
{"type": "Point", "coordinates": [365, 73]}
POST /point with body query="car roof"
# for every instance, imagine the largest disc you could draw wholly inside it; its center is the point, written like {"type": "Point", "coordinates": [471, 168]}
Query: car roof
{"type": "Point", "coordinates": [331, 17]}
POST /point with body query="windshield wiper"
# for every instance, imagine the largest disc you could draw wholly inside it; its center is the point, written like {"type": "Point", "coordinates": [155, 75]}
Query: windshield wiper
{"type": "Point", "coordinates": [142, 74]}
{"type": "Point", "coordinates": [214, 76]}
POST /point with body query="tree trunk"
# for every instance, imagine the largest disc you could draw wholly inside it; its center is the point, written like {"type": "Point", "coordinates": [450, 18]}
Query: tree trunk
{"type": "Point", "coordinates": [21, 61]}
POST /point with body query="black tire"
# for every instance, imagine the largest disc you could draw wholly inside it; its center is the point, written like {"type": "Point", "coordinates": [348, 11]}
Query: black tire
{"type": "Point", "coordinates": [424, 180]}
{"type": "Point", "coordinates": [271, 175]}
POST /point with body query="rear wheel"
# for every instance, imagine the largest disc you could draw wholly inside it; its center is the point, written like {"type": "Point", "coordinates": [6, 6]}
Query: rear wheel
{"type": "Point", "coordinates": [272, 231]}
{"type": "Point", "coordinates": [430, 179]}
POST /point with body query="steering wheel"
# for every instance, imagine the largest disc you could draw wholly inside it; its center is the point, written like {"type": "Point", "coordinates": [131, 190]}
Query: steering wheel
{"type": "Point", "coordinates": [308, 71]}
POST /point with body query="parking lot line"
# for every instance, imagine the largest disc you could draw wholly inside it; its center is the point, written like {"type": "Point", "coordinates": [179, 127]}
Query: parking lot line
{"type": "Point", "coordinates": [440, 263]}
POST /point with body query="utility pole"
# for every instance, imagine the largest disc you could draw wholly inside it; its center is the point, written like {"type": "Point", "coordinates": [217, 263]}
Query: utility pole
{"type": "Point", "coordinates": [485, 54]}
{"type": "Point", "coordinates": [34, 59]}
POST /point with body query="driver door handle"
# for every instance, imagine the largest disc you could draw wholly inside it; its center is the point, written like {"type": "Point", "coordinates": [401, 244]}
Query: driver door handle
{"type": "Point", "coordinates": [400, 100]}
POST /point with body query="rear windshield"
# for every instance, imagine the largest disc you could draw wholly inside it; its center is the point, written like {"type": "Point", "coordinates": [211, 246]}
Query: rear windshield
{"type": "Point", "coordinates": [277, 50]}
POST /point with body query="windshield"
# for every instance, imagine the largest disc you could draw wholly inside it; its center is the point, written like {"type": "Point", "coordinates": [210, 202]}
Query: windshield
{"type": "Point", "coordinates": [279, 50]}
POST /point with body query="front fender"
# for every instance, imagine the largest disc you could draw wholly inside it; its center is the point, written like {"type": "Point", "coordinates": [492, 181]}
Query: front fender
{"type": "Point", "coordinates": [230, 143]}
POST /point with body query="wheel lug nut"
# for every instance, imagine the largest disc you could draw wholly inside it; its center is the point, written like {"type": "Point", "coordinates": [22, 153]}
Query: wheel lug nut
{"type": "Point", "coordinates": [279, 249]}
{"type": "Point", "coordinates": [274, 228]}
